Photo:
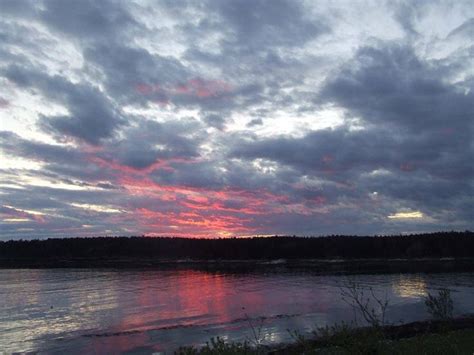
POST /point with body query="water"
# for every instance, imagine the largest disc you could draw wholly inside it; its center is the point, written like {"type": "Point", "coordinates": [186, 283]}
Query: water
{"type": "Point", "coordinates": [107, 311]}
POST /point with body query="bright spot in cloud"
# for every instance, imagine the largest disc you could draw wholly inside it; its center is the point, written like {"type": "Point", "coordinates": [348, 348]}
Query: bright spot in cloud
{"type": "Point", "coordinates": [16, 220]}
{"type": "Point", "coordinates": [406, 215]}
{"type": "Point", "coordinates": [96, 208]}
{"type": "Point", "coordinates": [37, 213]}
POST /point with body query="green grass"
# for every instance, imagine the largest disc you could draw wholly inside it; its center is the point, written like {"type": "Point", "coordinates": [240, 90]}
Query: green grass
{"type": "Point", "coordinates": [455, 342]}
{"type": "Point", "coordinates": [218, 346]}
{"type": "Point", "coordinates": [368, 342]}
{"type": "Point", "coordinates": [373, 342]}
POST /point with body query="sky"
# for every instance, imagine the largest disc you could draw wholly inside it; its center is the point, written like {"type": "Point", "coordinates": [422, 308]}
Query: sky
{"type": "Point", "coordinates": [235, 118]}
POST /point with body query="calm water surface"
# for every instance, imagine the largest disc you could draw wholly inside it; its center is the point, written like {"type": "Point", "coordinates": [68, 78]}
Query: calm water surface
{"type": "Point", "coordinates": [104, 311]}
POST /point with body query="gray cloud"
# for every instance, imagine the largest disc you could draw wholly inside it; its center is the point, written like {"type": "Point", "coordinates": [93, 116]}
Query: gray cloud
{"type": "Point", "coordinates": [418, 139]}
{"type": "Point", "coordinates": [243, 117]}
{"type": "Point", "coordinates": [152, 141]}
{"type": "Point", "coordinates": [133, 74]}
{"type": "Point", "coordinates": [92, 116]}
{"type": "Point", "coordinates": [255, 122]}
{"type": "Point", "coordinates": [88, 19]}
{"type": "Point", "coordinates": [259, 24]}
{"type": "Point", "coordinates": [215, 121]}
{"type": "Point", "coordinates": [389, 84]}
{"type": "Point", "coordinates": [14, 145]}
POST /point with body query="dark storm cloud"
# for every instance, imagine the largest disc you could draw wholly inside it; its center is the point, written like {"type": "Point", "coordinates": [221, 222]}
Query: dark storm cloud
{"type": "Point", "coordinates": [64, 164]}
{"type": "Point", "coordinates": [464, 30]}
{"type": "Point", "coordinates": [133, 74]}
{"type": "Point", "coordinates": [255, 122]}
{"type": "Point", "coordinates": [429, 118]}
{"type": "Point", "coordinates": [419, 132]}
{"type": "Point", "coordinates": [16, 8]}
{"type": "Point", "coordinates": [15, 36]}
{"type": "Point", "coordinates": [59, 214]}
{"type": "Point", "coordinates": [251, 26]}
{"type": "Point", "coordinates": [14, 145]}
{"type": "Point", "coordinates": [88, 19]}
{"type": "Point", "coordinates": [223, 172]}
{"type": "Point", "coordinates": [331, 151]}
{"type": "Point", "coordinates": [199, 175]}
{"type": "Point", "coordinates": [390, 85]}
{"type": "Point", "coordinates": [259, 24]}
{"type": "Point", "coordinates": [178, 139]}
{"type": "Point", "coordinates": [172, 113]}
{"type": "Point", "coordinates": [151, 141]}
{"type": "Point", "coordinates": [91, 117]}
{"type": "Point", "coordinates": [255, 52]}
{"type": "Point", "coordinates": [406, 12]}
{"type": "Point", "coordinates": [215, 121]}
{"type": "Point", "coordinates": [419, 187]}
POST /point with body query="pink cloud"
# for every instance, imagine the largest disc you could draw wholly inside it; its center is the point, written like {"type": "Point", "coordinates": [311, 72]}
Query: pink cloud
{"type": "Point", "coordinates": [196, 87]}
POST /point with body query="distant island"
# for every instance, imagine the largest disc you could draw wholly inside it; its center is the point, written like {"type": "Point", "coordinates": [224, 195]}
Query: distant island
{"type": "Point", "coordinates": [442, 251]}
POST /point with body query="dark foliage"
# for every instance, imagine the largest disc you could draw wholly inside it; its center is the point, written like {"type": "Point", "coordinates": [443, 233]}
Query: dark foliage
{"type": "Point", "coordinates": [434, 245]}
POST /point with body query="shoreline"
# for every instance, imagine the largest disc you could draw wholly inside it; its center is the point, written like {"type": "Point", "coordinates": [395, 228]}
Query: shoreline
{"type": "Point", "coordinates": [392, 333]}
{"type": "Point", "coordinates": [387, 339]}
{"type": "Point", "coordinates": [322, 266]}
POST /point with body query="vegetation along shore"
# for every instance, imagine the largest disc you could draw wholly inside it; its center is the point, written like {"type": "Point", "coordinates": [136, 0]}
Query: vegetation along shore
{"type": "Point", "coordinates": [434, 252]}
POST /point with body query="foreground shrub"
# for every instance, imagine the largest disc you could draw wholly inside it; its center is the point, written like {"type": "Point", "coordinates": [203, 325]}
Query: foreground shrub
{"type": "Point", "coordinates": [441, 306]}
{"type": "Point", "coordinates": [343, 338]}
{"type": "Point", "coordinates": [219, 346]}
{"type": "Point", "coordinates": [372, 308]}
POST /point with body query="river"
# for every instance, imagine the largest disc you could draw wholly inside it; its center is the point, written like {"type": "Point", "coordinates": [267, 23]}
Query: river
{"type": "Point", "coordinates": [79, 311]}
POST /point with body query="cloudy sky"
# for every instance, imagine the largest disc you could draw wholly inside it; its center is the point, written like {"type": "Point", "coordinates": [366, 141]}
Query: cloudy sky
{"type": "Point", "coordinates": [235, 118]}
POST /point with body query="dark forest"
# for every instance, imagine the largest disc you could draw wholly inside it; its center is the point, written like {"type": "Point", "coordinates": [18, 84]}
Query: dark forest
{"type": "Point", "coordinates": [433, 245]}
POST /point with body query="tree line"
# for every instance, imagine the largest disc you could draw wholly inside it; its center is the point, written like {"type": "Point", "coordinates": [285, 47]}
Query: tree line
{"type": "Point", "coordinates": [436, 245]}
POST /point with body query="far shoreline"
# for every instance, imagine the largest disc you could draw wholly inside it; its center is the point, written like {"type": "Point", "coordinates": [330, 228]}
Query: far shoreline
{"type": "Point", "coordinates": [429, 252]}
{"type": "Point", "coordinates": [315, 266]}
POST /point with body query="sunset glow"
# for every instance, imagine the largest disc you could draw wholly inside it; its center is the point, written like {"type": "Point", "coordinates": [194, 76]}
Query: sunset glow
{"type": "Point", "coordinates": [227, 119]}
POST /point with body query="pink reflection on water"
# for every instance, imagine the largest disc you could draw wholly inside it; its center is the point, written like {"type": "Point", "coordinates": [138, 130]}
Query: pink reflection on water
{"type": "Point", "coordinates": [151, 310]}
{"type": "Point", "coordinates": [188, 298]}
{"type": "Point", "coordinates": [162, 305]}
